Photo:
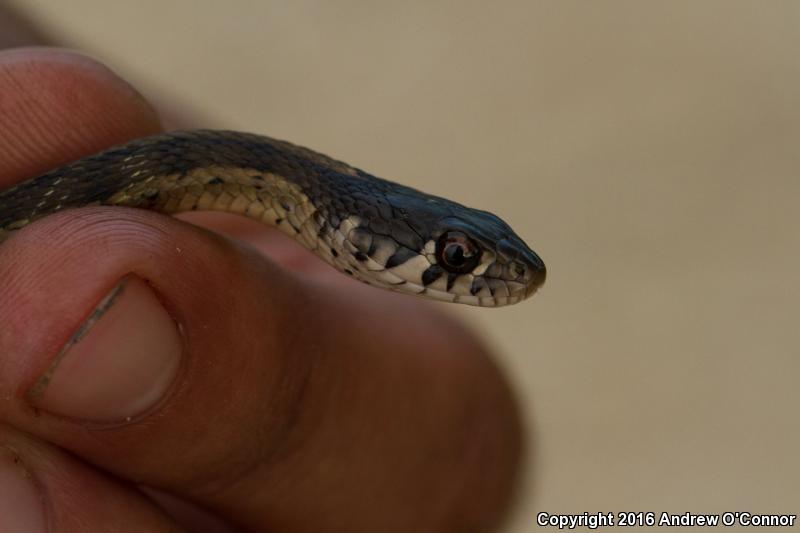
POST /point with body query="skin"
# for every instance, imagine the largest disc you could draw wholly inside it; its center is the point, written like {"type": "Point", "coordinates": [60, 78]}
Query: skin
{"type": "Point", "coordinates": [325, 412]}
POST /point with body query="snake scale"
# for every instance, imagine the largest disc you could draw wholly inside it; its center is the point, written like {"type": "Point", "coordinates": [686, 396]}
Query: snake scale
{"type": "Point", "coordinates": [374, 230]}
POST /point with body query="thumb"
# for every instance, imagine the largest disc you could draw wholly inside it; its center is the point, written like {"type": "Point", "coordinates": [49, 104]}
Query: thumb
{"type": "Point", "coordinates": [216, 375]}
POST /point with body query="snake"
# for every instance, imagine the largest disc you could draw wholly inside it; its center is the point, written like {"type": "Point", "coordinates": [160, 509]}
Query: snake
{"type": "Point", "coordinates": [377, 231]}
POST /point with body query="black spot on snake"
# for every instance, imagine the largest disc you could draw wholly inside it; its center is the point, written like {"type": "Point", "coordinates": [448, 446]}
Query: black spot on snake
{"type": "Point", "coordinates": [431, 274]}
{"type": "Point", "coordinates": [215, 181]}
{"type": "Point", "coordinates": [451, 280]}
{"type": "Point", "coordinates": [373, 247]}
{"type": "Point", "coordinates": [402, 255]}
{"type": "Point", "coordinates": [362, 240]}
{"type": "Point", "coordinates": [477, 285]}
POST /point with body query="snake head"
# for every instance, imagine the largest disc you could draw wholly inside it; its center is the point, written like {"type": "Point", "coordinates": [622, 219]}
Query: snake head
{"type": "Point", "coordinates": [481, 261]}
{"type": "Point", "coordinates": [426, 245]}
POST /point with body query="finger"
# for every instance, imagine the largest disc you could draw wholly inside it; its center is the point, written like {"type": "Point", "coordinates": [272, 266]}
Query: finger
{"type": "Point", "coordinates": [44, 489]}
{"type": "Point", "coordinates": [225, 379]}
{"type": "Point", "coordinates": [57, 106]}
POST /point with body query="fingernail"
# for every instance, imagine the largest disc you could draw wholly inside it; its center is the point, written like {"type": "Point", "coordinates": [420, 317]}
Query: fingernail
{"type": "Point", "coordinates": [118, 364]}
{"type": "Point", "coordinates": [21, 502]}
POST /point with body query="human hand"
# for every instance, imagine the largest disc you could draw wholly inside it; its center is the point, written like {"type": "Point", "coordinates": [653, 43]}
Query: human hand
{"type": "Point", "coordinates": [273, 392]}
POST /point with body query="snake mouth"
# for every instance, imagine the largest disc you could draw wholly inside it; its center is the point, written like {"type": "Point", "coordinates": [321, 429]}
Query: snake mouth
{"type": "Point", "coordinates": [538, 277]}
{"type": "Point", "coordinates": [536, 270]}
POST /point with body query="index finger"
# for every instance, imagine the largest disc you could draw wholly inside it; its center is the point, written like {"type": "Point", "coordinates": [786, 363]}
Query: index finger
{"type": "Point", "coordinates": [59, 106]}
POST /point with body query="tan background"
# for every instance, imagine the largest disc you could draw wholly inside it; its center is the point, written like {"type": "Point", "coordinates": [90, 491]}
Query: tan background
{"type": "Point", "coordinates": [648, 151]}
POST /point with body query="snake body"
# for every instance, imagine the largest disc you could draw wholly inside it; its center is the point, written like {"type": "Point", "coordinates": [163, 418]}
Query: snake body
{"type": "Point", "coordinates": [374, 230]}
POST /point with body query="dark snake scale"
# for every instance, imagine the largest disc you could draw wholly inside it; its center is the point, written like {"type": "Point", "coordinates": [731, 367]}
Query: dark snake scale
{"type": "Point", "coordinates": [374, 230]}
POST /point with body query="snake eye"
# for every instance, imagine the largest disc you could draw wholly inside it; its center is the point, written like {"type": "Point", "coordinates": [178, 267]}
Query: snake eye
{"type": "Point", "coordinates": [457, 253]}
